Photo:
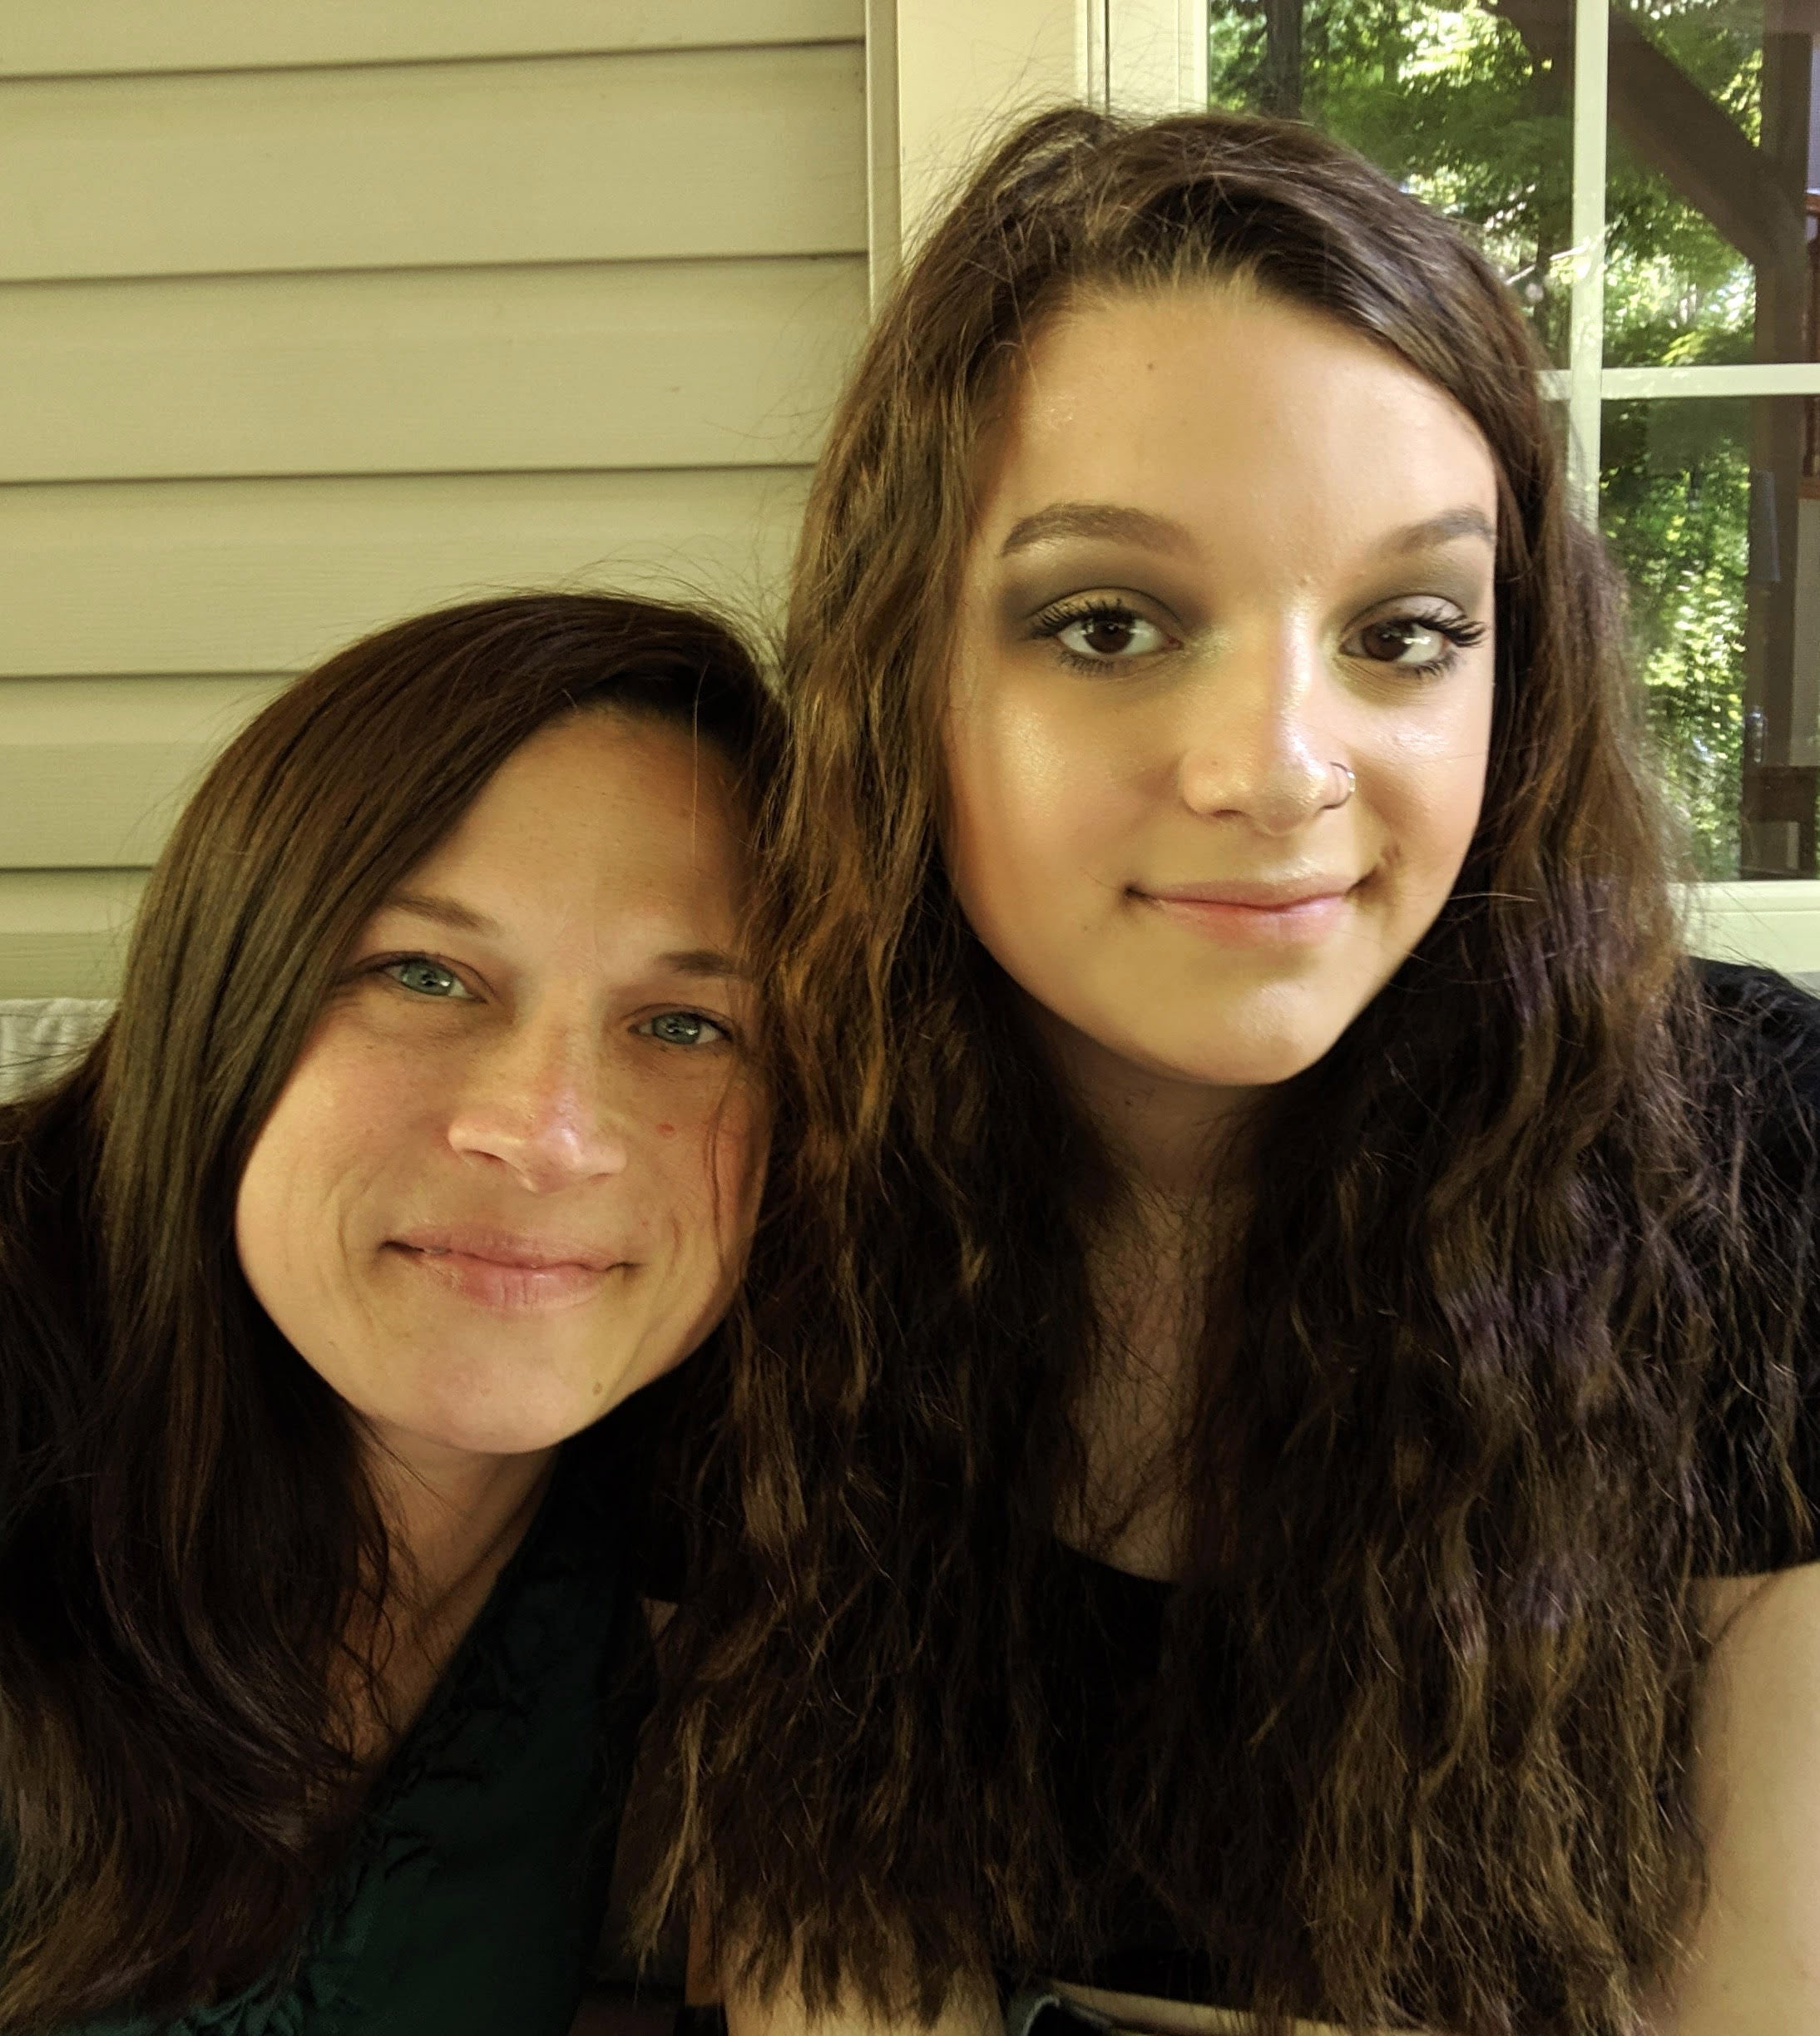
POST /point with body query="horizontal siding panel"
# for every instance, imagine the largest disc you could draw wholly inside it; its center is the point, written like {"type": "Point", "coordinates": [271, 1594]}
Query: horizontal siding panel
{"type": "Point", "coordinates": [672, 365]}
{"type": "Point", "coordinates": [200, 577]}
{"type": "Point", "coordinates": [93, 772]}
{"type": "Point", "coordinates": [62, 37]}
{"type": "Point", "coordinates": [719, 152]}
{"type": "Point", "coordinates": [63, 932]}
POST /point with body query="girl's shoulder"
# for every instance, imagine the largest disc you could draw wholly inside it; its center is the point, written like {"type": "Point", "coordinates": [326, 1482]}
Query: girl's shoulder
{"type": "Point", "coordinates": [1764, 1100]}
{"type": "Point", "coordinates": [1764, 1027]}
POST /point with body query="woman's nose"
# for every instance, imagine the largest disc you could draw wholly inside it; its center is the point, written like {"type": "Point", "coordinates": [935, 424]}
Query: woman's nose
{"type": "Point", "coordinates": [538, 1104]}
{"type": "Point", "coordinates": [1256, 742]}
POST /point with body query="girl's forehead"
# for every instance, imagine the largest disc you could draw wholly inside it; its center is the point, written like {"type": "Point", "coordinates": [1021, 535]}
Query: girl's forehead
{"type": "Point", "coordinates": [1226, 421]}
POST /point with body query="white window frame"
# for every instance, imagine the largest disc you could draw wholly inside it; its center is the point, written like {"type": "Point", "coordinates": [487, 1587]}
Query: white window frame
{"type": "Point", "coordinates": [1773, 923]}
{"type": "Point", "coordinates": [942, 75]}
{"type": "Point", "coordinates": [1586, 382]}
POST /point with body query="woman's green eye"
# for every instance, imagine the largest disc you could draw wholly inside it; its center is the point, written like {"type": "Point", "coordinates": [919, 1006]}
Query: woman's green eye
{"type": "Point", "coordinates": [426, 978]}
{"type": "Point", "coordinates": [684, 1029]}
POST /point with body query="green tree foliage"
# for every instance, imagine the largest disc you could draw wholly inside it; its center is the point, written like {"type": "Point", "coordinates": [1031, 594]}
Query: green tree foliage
{"type": "Point", "coordinates": [1675, 503]}
{"type": "Point", "coordinates": [1468, 107]}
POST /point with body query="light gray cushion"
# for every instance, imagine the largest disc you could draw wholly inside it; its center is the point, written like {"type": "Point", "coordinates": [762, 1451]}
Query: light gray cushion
{"type": "Point", "coordinates": [39, 1036]}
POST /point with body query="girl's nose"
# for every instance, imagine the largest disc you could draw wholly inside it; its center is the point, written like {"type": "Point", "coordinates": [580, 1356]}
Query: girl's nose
{"type": "Point", "coordinates": [1257, 745]}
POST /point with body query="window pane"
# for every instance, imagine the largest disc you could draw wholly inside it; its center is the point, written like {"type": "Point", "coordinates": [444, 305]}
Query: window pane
{"type": "Point", "coordinates": [1714, 146]}
{"type": "Point", "coordinates": [1460, 106]}
{"type": "Point", "coordinates": [1705, 505]}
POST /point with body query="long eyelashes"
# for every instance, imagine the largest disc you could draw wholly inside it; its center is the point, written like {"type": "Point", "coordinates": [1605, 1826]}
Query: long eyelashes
{"type": "Point", "coordinates": [1094, 609]}
{"type": "Point", "coordinates": [1091, 610]}
{"type": "Point", "coordinates": [1459, 633]}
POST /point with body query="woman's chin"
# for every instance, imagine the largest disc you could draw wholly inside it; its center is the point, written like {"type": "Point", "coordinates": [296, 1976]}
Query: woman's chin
{"type": "Point", "coordinates": [505, 1422]}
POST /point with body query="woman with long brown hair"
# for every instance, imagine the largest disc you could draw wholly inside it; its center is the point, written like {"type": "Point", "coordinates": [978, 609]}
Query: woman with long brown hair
{"type": "Point", "coordinates": [1287, 1311]}
{"type": "Point", "coordinates": [425, 1134]}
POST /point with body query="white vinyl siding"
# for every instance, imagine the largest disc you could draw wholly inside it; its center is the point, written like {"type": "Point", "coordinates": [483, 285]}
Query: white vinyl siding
{"type": "Point", "coordinates": [314, 316]}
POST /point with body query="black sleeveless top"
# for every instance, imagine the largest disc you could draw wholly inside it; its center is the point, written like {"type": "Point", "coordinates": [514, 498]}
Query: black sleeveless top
{"type": "Point", "coordinates": [1107, 1636]}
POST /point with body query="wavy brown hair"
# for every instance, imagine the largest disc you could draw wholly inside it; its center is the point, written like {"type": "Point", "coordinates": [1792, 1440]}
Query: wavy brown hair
{"type": "Point", "coordinates": [1422, 1754]}
{"type": "Point", "coordinates": [186, 1539]}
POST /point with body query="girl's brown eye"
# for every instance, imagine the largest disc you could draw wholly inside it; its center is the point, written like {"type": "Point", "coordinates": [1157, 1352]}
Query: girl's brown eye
{"type": "Point", "coordinates": [1421, 644]}
{"type": "Point", "coordinates": [1393, 642]}
{"type": "Point", "coordinates": [1107, 633]}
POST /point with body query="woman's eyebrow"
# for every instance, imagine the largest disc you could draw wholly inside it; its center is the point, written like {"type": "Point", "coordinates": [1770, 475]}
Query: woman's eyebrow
{"type": "Point", "coordinates": [1103, 520]}
{"type": "Point", "coordinates": [445, 911]}
{"type": "Point", "coordinates": [705, 961]}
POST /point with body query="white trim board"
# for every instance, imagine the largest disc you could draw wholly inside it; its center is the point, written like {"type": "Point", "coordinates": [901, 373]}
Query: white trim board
{"type": "Point", "coordinates": [945, 78]}
{"type": "Point", "coordinates": [1746, 379]}
{"type": "Point", "coordinates": [1774, 924]}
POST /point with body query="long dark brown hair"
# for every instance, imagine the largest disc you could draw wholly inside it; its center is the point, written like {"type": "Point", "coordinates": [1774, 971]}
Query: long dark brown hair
{"type": "Point", "coordinates": [1422, 1755]}
{"type": "Point", "coordinates": [186, 1538]}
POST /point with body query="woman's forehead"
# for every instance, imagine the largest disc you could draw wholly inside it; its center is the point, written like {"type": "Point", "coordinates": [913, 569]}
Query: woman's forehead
{"type": "Point", "coordinates": [604, 815]}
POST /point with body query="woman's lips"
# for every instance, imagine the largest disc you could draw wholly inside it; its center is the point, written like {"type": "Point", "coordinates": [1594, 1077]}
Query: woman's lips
{"type": "Point", "coordinates": [500, 1271]}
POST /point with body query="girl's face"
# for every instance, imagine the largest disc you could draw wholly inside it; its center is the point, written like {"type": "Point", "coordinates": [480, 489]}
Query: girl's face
{"type": "Point", "coordinates": [1217, 735]}
{"type": "Point", "coordinates": [511, 1176]}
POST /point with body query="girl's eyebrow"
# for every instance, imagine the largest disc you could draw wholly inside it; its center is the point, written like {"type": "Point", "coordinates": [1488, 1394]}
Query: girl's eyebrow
{"type": "Point", "coordinates": [1126, 525]}
{"type": "Point", "coordinates": [1113, 520]}
{"type": "Point", "coordinates": [1443, 529]}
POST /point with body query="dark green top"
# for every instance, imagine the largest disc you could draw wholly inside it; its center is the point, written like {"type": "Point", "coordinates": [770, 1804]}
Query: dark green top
{"type": "Point", "coordinates": [470, 1900]}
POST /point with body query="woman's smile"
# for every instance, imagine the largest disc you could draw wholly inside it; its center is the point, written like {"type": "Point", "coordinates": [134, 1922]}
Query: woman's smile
{"type": "Point", "coordinates": [513, 1274]}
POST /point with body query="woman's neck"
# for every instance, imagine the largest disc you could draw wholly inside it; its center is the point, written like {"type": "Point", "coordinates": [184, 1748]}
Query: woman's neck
{"type": "Point", "coordinates": [454, 1520]}
{"type": "Point", "coordinates": [452, 1515]}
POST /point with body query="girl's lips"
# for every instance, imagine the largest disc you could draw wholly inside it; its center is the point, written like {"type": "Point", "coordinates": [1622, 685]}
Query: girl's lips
{"type": "Point", "coordinates": [500, 1283]}
{"type": "Point", "coordinates": [1292, 921]}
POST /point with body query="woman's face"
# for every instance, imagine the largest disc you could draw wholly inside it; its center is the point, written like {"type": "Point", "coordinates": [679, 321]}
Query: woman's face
{"type": "Point", "coordinates": [1231, 561]}
{"type": "Point", "coordinates": [512, 1174]}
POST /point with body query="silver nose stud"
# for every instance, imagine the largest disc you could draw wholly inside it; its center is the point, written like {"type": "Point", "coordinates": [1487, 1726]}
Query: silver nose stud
{"type": "Point", "coordinates": [1344, 785]}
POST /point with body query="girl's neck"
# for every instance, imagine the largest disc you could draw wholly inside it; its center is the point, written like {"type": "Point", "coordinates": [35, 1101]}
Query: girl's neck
{"type": "Point", "coordinates": [1173, 1142]}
